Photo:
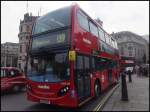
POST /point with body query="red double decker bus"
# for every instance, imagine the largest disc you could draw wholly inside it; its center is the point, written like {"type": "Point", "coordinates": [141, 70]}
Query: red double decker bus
{"type": "Point", "coordinates": [71, 58]}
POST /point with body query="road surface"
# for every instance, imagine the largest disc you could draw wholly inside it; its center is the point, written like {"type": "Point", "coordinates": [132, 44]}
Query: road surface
{"type": "Point", "coordinates": [18, 102]}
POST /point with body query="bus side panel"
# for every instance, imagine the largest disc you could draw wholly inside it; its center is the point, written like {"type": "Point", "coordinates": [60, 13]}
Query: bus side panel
{"type": "Point", "coordinates": [93, 78]}
{"type": "Point", "coordinates": [104, 79]}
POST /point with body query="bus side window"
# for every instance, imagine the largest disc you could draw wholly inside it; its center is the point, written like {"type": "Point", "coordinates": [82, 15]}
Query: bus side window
{"type": "Point", "coordinates": [79, 65]}
{"type": "Point", "coordinates": [98, 64]}
{"type": "Point", "coordinates": [87, 64]}
{"type": "Point", "coordinates": [93, 29]}
{"type": "Point", "coordinates": [101, 34]}
{"type": "Point", "coordinates": [93, 64]}
{"type": "Point", "coordinates": [83, 21]}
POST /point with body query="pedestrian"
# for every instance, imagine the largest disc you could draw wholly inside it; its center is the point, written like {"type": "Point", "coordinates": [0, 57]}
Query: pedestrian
{"type": "Point", "coordinates": [124, 92]}
{"type": "Point", "coordinates": [144, 70]}
{"type": "Point", "coordinates": [147, 67]}
{"type": "Point", "coordinates": [133, 70]}
{"type": "Point", "coordinates": [140, 71]}
{"type": "Point", "coordinates": [137, 70]}
{"type": "Point", "coordinates": [129, 75]}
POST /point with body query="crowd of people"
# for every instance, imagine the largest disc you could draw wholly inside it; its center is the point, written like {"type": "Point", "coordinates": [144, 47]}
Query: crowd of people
{"type": "Point", "coordinates": [142, 70]}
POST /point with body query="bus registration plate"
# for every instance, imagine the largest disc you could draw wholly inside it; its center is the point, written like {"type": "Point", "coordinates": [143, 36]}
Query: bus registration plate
{"type": "Point", "coordinates": [45, 101]}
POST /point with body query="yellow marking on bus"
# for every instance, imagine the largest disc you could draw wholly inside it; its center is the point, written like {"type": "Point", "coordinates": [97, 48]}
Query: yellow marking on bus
{"type": "Point", "coordinates": [85, 101]}
{"type": "Point", "coordinates": [100, 105]}
{"type": "Point", "coordinates": [72, 55]}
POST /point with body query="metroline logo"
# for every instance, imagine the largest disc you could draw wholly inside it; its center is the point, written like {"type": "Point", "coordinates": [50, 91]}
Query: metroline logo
{"type": "Point", "coordinates": [43, 87]}
{"type": "Point", "coordinates": [86, 41]}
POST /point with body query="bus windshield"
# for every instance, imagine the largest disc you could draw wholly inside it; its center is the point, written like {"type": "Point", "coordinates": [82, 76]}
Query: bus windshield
{"type": "Point", "coordinates": [50, 68]}
{"type": "Point", "coordinates": [56, 19]}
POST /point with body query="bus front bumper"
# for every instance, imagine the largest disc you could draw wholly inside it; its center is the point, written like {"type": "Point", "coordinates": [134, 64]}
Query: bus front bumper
{"type": "Point", "coordinates": [65, 101]}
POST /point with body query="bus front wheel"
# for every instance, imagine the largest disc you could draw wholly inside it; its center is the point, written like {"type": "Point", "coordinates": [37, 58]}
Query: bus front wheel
{"type": "Point", "coordinates": [97, 90]}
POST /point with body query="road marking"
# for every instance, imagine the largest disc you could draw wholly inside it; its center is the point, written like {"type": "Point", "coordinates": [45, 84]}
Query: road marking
{"type": "Point", "coordinates": [85, 101]}
{"type": "Point", "coordinates": [103, 101]}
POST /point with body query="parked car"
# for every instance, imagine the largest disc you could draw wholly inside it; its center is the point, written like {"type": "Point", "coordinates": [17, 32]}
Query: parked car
{"type": "Point", "coordinates": [12, 79]}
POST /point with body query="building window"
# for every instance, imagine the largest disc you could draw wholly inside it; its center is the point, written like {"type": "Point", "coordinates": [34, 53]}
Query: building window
{"type": "Point", "coordinates": [135, 51]}
{"type": "Point", "coordinates": [93, 29]}
{"type": "Point", "coordinates": [20, 48]}
{"type": "Point", "coordinates": [122, 50]}
{"type": "Point", "coordinates": [20, 28]}
{"type": "Point", "coordinates": [107, 38]}
{"type": "Point", "coordinates": [26, 48]}
{"type": "Point", "coordinates": [130, 48]}
{"type": "Point", "coordinates": [27, 28]}
{"type": "Point", "coordinates": [130, 53]}
{"type": "Point", "coordinates": [138, 51]}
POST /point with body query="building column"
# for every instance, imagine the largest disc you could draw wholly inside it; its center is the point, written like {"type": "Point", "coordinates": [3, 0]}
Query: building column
{"type": "Point", "coordinates": [5, 61]}
{"type": "Point", "coordinates": [11, 63]}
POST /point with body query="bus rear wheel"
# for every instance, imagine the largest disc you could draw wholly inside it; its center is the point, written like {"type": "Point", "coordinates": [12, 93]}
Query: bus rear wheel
{"type": "Point", "coordinates": [97, 90]}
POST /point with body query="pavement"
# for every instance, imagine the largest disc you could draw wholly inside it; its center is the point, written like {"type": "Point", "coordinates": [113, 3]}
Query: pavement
{"type": "Point", "coordinates": [138, 95]}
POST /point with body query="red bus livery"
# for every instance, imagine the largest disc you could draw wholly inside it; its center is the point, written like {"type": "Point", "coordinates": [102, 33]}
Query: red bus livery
{"type": "Point", "coordinates": [71, 58]}
{"type": "Point", "coordinates": [12, 79]}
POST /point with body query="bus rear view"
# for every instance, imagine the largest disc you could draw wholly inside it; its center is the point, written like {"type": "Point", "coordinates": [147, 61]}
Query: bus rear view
{"type": "Point", "coordinates": [48, 67]}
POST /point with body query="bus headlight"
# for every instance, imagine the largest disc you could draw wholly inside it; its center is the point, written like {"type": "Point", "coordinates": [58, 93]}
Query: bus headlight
{"type": "Point", "coordinates": [63, 91]}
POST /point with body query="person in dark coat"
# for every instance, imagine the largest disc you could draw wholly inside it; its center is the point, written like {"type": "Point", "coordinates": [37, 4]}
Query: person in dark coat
{"type": "Point", "coordinates": [129, 75]}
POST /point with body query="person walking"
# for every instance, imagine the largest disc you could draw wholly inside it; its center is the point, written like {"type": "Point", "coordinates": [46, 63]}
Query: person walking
{"type": "Point", "coordinates": [147, 67]}
{"type": "Point", "coordinates": [141, 70]}
{"type": "Point", "coordinates": [129, 75]}
{"type": "Point", "coordinates": [137, 70]}
{"type": "Point", "coordinates": [145, 70]}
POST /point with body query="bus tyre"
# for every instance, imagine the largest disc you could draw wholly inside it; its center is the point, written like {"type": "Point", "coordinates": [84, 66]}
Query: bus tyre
{"type": "Point", "coordinates": [97, 90]}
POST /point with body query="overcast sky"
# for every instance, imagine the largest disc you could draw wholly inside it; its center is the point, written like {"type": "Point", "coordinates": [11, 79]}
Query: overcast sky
{"type": "Point", "coordinates": [116, 15]}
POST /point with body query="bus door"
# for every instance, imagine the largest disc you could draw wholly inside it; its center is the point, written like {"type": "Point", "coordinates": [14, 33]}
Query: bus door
{"type": "Point", "coordinates": [82, 77]}
{"type": "Point", "coordinates": [87, 76]}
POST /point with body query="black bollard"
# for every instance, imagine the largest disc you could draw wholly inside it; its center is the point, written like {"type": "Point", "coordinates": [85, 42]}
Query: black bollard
{"type": "Point", "coordinates": [129, 75]}
{"type": "Point", "coordinates": [124, 88]}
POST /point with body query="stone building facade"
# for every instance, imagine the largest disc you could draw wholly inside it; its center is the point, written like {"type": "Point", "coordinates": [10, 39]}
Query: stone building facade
{"type": "Point", "coordinates": [9, 54]}
{"type": "Point", "coordinates": [24, 35]}
{"type": "Point", "coordinates": [132, 47]}
{"type": "Point", "coordinates": [146, 37]}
